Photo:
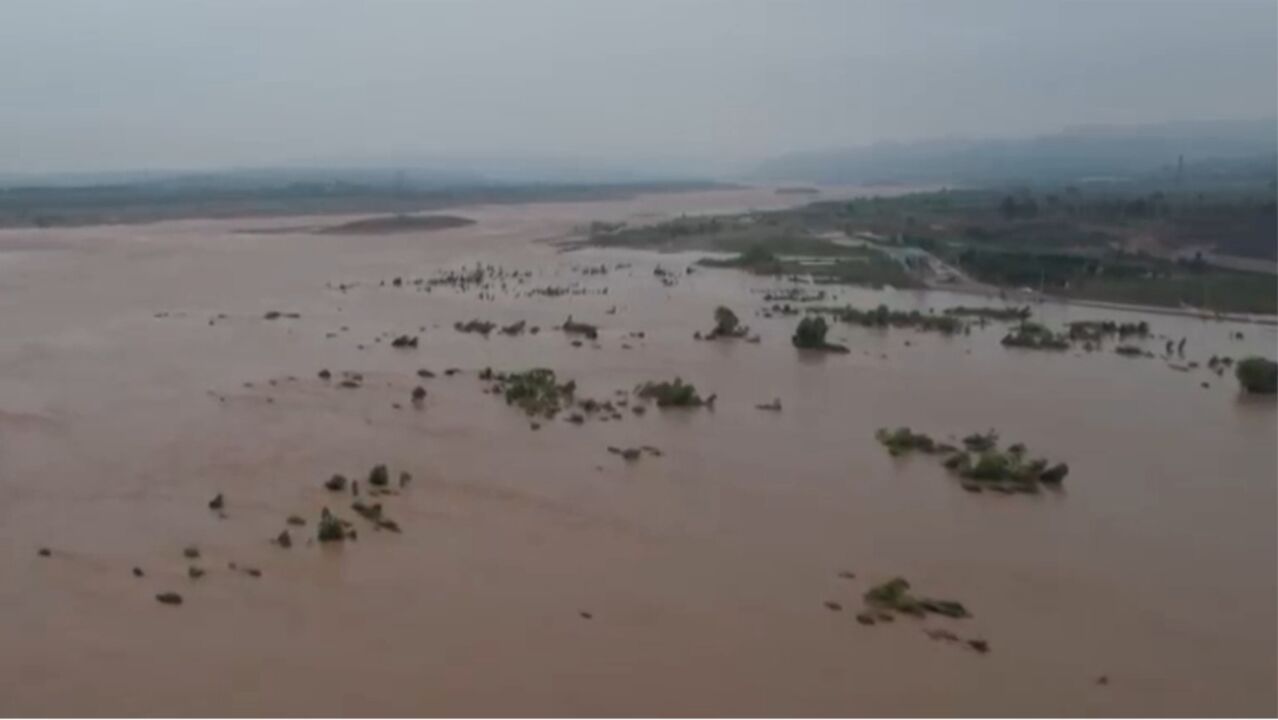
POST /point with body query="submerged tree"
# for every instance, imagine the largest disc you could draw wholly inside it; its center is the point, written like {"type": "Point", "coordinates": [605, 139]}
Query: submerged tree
{"type": "Point", "coordinates": [1257, 375]}
{"type": "Point", "coordinates": [811, 332]}
{"type": "Point", "coordinates": [810, 335]}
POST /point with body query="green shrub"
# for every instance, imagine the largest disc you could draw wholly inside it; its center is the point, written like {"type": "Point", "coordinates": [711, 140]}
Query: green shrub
{"type": "Point", "coordinates": [1257, 375]}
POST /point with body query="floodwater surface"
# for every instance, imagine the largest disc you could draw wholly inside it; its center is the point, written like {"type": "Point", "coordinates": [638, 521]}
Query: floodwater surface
{"type": "Point", "coordinates": [539, 574]}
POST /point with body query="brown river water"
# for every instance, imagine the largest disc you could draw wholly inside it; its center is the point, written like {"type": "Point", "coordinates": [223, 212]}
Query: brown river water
{"type": "Point", "coordinates": [704, 571]}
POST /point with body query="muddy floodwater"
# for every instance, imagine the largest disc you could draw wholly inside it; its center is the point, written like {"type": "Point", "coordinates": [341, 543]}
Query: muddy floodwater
{"type": "Point", "coordinates": [536, 573]}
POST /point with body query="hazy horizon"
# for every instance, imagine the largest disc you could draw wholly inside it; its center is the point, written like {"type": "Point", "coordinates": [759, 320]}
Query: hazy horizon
{"type": "Point", "coordinates": [97, 87]}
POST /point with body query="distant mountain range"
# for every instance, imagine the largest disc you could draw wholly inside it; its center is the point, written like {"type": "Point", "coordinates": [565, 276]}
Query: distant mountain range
{"type": "Point", "coordinates": [1098, 151]}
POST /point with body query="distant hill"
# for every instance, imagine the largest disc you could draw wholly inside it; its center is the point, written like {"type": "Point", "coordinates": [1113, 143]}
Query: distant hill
{"type": "Point", "coordinates": [1086, 152]}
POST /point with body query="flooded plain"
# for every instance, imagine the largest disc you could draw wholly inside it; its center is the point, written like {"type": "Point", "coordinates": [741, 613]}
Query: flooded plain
{"type": "Point", "coordinates": [539, 574]}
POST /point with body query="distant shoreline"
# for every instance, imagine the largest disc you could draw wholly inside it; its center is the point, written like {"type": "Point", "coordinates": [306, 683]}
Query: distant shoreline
{"type": "Point", "coordinates": [52, 208]}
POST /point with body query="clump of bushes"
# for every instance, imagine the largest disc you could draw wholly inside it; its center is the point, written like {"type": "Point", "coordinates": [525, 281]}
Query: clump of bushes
{"type": "Point", "coordinates": [537, 391]}
{"type": "Point", "coordinates": [989, 313]}
{"type": "Point", "coordinates": [404, 341]}
{"type": "Point", "coordinates": [810, 335]}
{"type": "Point", "coordinates": [980, 442]}
{"type": "Point", "coordinates": [726, 325]}
{"type": "Point", "coordinates": [673, 394]}
{"type": "Point", "coordinates": [1095, 330]}
{"type": "Point", "coordinates": [572, 327]}
{"type": "Point", "coordinates": [895, 595]}
{"type": "Point", "coordinates": [330, 528]}
{"type": "Point", "coordinates": [883, 317]}
{"type": "Point", "coordinates": [483, 327]}
{"type": "Point", "coordinates": [903, 440]}
{"type": "Point", "coordinates": [1257, 375]}
{"type": "Point", "coordinates": [1033, 336]}
{"type": "Point", "coordinates": [980, 463]}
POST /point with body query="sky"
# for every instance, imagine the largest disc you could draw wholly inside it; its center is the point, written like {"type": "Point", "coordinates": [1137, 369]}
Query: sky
{"type": "Point", "coordinates": [91, 85]}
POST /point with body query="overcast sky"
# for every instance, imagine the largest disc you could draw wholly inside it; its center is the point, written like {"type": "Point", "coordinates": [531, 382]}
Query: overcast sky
{"type": "Point", "coordinates": [96, 85]}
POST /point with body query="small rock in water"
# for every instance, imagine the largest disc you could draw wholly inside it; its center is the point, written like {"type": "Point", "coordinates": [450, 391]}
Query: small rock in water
{"type": "Point", "coordinates": [284, 540]}
{"type": "Point", "coordinates": [217, 502]}
{"type": "Point", "coordinates": [325, 375]}
{"type": "Point", "coordinates": [1102, 680]}
{"type": "Point", "coordinates": [405, 478]}
{"type": "Point", "coordinates": [847, 575]}
{"type": "Point", "coordinates": [137, 572]}
{"type": "Point", "coordinates": [379, 476]}
{"type": "Point", "coordinates": [169, 598]}
{"type": "Point", "coordinates": [865, 618]}
{"type": "Point", "coordinates": [585, 615]}
{"type": "Point", "coordinates": [191, 552]}
{"type": "Point", "coordinates": [195, 572]}
{"type": "Point", "coordinates": [44, 552]}
{"type": "Point", "coordinates": [831, 605]}
{"type": "Point", "coordinates": [295, 520]}
{"type": "Point", "coordinates": [337, 483]}
{"type": "Point", "coordinates": [979, 646]}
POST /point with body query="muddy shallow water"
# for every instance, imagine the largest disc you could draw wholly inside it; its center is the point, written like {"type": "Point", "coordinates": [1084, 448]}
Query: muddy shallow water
{"type": "Point", "coordinates": [704, 571]}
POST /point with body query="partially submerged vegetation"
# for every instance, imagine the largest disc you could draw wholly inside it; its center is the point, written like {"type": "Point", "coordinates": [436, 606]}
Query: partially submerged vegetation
{"type": "Point", "coordinates": [894, 596]}
{"type": "Point", "coordinates": [537, 391]}
{"type": "Point", "coordinates": [726, 325]}
{"type": "Point", "coordinates": [676, 393]}
{"type": "Point", "coordinates": [572, 327]}
{"type": "Point", "coordinates": [480, 327]}
{"type": "Point", "coordinates": [1034, 336]}
{"type": "Point", "coordinates": [1005, 314]}
{"type": "Point", "coordinates": [1257, 375]}
{"type": "Point", "coordinates": [1097, 330]}
{"type": "Point", "coordinates": [883, 317]}
{"type": "Point", "coordinates": [979, 463]}
{"type": "Point", "coordinates": [396, 224]}
{"type": "Point", "coordinates": [810, 335]}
